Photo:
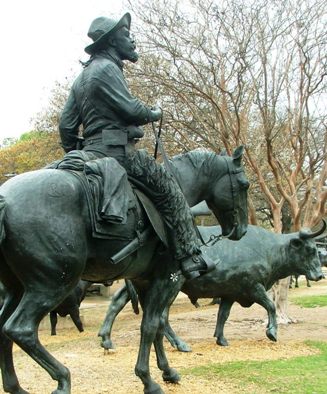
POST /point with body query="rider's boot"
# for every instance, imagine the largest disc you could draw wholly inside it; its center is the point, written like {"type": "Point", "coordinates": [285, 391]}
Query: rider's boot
{"type": "Point", "coordinates": [162, 188]}
{"type": "Point", "coordinates": [194, 266]}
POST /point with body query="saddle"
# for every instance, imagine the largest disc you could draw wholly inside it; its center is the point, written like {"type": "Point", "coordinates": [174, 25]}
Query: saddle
{"type": "Point", "coordinates": [114, 200]}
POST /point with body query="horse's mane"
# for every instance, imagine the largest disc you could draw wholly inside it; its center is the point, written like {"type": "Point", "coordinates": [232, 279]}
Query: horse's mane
{"type": "Point", "coordinates": [199, 159]}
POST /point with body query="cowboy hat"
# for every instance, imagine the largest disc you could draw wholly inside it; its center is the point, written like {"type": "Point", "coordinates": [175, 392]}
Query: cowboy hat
{"type": "Point", "coordinates": [102, 27]}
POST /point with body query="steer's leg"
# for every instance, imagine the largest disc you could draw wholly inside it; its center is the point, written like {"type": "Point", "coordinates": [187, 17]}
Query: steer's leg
{"type": "Point", "coordinates": [296, 281]}
{"type": "Point", "coordinates": [74, 314]}
{"type": "Point", "coordinates": [118, 302]}
{"type": "Point", "coordinates": [260, 296]}
{"type": "Point", "coordinates": [223, 314]}
{"type": "Point", "coordinates": [53, 322]}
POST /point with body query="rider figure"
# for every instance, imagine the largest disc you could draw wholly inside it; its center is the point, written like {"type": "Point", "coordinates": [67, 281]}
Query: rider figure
{"type": "Point", "coordinates": [111, 117]}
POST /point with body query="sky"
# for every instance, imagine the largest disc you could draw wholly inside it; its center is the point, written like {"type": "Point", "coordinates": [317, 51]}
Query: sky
{"type": "Point", "coordinates": [42, 42]}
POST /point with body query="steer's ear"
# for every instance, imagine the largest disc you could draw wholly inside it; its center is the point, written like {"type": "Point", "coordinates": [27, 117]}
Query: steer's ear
{"type": "Point", "coordinates": [296, 243]}
{"type": "Point", "coordinates": [237, 155]}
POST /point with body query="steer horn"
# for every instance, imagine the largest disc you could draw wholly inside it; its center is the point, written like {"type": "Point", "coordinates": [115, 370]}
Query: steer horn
{"type": "Point", "coordinates": [305, 234]}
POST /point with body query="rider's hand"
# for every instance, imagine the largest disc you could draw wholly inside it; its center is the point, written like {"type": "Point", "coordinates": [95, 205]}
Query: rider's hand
{"type": "Point", "coordinates": [155, 113]}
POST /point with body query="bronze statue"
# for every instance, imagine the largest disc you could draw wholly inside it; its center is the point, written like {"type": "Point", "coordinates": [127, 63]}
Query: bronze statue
{"type": "Point", "coordinates": [47, 247]}
{"type": "Point", "coordinates": [111, 117]}
{"type": "Point", "coordinates": [46, 226]}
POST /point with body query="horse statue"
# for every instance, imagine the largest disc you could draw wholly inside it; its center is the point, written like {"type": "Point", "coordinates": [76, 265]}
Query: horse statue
{"type": "Point", "coordinates": [47, 247]}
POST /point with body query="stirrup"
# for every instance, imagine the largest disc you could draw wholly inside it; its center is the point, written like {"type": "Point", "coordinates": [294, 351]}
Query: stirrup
{"type": "Point", "coordinates": [196, 265]}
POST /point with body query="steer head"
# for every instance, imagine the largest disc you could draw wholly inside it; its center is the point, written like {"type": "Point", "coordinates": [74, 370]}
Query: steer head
{"type": "Point", "coordinates": [305, 254]}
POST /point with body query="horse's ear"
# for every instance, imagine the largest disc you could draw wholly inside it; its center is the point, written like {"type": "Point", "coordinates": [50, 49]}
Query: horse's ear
{"type": "Point", "coordinates": [237, 155]}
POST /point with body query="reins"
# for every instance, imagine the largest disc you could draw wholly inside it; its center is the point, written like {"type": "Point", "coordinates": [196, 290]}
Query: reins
{"type": "Point", "coordinates": [168, 165]}
{"type": "Point", "coordinates": [159, 147]}
{"type": "Point", "coordinates": [157, 137]}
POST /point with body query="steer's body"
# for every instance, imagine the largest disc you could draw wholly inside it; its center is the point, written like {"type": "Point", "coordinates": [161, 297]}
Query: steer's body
{"type": "Point", "coordinates": [250, 267]}
{"type": "Point", "coordinates": [247, 269]}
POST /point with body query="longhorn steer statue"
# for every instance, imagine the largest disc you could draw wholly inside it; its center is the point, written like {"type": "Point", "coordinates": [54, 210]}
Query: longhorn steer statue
{"type": "Point", "coordinates": [323, 261]}
{"type": "Point", "coordinates": [247, 269]}
{"type": "Point", "coordinates": [70, 306]}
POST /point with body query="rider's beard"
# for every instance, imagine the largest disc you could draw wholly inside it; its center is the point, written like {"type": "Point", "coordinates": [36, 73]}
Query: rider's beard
{"type": "Point", "coordinates": [133, 57]}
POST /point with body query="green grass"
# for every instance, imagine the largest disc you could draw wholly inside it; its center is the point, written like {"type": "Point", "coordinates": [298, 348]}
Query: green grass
{"type": "Point", "coordinates": [312, 301]}
{"type": "Point", "coordinates": [298, 375]}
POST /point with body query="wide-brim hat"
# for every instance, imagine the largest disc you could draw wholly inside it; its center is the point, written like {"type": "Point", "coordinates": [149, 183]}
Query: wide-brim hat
{"type": "Point", "coordinates": [102, 27]}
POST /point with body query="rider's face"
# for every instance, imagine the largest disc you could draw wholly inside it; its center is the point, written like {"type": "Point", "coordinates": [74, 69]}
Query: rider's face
{"type": "Point", "coordinates": [125, 45]}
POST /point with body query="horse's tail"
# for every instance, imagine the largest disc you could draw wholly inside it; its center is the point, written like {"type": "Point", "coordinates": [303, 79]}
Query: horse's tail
{"type": "Point", "coordinates": [2, 216]}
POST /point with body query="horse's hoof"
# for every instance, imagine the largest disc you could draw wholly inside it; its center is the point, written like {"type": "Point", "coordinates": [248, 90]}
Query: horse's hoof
{"type": "Point", "coordinates": [107, 344]}
{"type": "Point", "coordinates": [64, 386]}
{"type": "Point", "coordinates": [63, 391]}
{"type": "Point", "coordinates": [183, 347]}
{"type": "Point", "coordinates": [153, 389]}
{"type": "Point", "coordinates": [222, 341]}
{"type": "Point", "coordinates": [171, 376]}
{"type": "Point", "coordinates": [272, 334]}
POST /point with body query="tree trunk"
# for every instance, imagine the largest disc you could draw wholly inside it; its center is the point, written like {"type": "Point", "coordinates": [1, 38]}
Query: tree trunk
{"type": "Point", "coordinates": [279, 294]}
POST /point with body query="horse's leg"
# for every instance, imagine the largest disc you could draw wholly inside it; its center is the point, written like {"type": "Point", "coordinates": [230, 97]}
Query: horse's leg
{"type": "Point", "coordinates": [223, 314]}
{"type": "Point", "coordinates": [22, 328]}
{"type": "Point", "coordinates": [174, 339]}
{"type": "Point", "coordinates": [160, 295]}
{"type": "Point", "coordinates": [118, 302]}
{"type": "Point", "coordinates": [9, 377]}
{"type": "Point", "coordinates": [169, 374]}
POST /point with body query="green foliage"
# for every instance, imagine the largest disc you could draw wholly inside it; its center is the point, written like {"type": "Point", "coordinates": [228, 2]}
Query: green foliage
{"type": "Point", "coordinates": [298, 375]}
{"type": "Point", "coordinates": [33, 151]}
{"type": "Point", "coordinates": [310, 301]}
{"type": "Point", "coordinates": [30, 135]}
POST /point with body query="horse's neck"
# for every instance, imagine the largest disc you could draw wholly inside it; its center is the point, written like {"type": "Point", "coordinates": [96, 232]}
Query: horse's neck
{"type": "Point", "coordinates": [191, 178]}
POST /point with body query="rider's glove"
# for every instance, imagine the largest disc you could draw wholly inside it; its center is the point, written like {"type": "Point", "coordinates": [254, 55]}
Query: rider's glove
{"type": "Point", "coordinates": [155, 114]}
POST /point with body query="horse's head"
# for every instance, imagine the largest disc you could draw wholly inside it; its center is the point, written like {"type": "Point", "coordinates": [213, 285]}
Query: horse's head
{"type": "Point", "coordinates": [228, 196]}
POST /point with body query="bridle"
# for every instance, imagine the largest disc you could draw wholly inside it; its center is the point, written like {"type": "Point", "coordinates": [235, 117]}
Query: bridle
{"type": "Point", "coordinates": [232, 179]}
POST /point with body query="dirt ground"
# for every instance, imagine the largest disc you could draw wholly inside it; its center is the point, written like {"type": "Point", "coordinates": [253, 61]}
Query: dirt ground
{"type": "Point", "coordinates": [95, 373]}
